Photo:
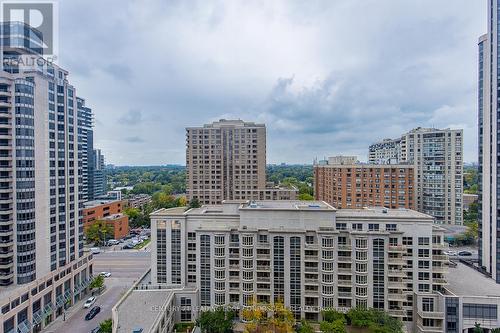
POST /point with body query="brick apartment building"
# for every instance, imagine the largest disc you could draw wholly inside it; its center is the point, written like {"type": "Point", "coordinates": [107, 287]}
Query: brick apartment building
{"type": "Point", "coordinates": [109, 212]}
{"type": "Point", "coordinates": [355, 185]}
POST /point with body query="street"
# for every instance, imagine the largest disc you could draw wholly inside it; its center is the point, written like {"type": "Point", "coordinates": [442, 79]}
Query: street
{"type": "Point", "coordinates": [125, 267]}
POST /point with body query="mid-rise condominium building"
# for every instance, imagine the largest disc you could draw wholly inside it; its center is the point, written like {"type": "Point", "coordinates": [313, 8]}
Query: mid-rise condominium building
{"type": "Point", "coordinates": [226, 160]}
{"type": "Point", "coordinates": [356, 185]}
{"type": "Point", "coordinates": [99, 182]}
{"type": "Point", "coordinates": [307, 254]}
{"type": "Point", "coordinates": [86, 148]}
{"type": "Point", "coordinates": [41, 227]}
{"type": "Point", "coordinates": [489, 150]}
{"type": "Point", "coordinates": [437, 158]}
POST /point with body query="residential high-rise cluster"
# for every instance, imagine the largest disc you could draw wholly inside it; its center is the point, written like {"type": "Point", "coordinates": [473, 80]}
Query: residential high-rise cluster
{"type": "Point", "coordinates": [488, 148]}
{"type": "Point", "coordinates": [45, 139]}
{"type": "Point", "coordinates": [226, 160]}
{"type": "Point", "coordinates": [437, 159]}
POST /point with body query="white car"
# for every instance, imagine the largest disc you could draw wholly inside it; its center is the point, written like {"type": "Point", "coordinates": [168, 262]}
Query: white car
{"type": "Point", "coordinates": [451, 253]}
{"type": "Point", "coordinates": [89, 302]}
{"type": "Point", "coordinates": [105, 274]}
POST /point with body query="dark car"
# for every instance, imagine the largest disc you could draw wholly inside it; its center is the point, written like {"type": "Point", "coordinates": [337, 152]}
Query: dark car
{"type": "Point", "coordinates": [464, 253]}
{"type": "Point", "coordinates": [93, 312]}
{"type": "Point", "coordinates": [96, 330]}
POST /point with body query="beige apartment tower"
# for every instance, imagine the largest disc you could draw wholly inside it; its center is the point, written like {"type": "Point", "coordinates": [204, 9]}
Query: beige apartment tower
{"type": "Point", "coordinates": [226, 160]}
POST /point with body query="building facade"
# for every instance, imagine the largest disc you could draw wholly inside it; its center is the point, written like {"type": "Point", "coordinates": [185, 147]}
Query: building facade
{"type": "Point", "coordinates": [307, 254]}
{"type": "Point", "coordinates": [437, 158]}
{"type": "Point", "coordinates": [99, 184]}
{"type": "Point", "coordinates": [86, 148]}
{"type": "Point", "coordinates": [365, 185]}
{"type": "Point", "coordinates": [388, 151]}
{"type": "Point", "coordinates": [224, 160]}
{"type": "Point", "coordinates": [109, 212]}
{"type": "Point", "coordinates": [489, 152]}
{"type": "Point", "coordinates": [41, 226]}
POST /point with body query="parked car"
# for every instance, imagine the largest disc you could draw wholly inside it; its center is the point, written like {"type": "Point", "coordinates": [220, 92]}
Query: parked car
{"type": "Point", "coordinates": [137, 330]}
{"type": "Point", "coordinates": [93, 312]}
{"type": "Point", "coordinates": [89, 302]}
{"type": "Point", "coordinates": [95, 250]}
{"type": "Point", "coordinates": [451, 253]}
{"type": "Point", "coordinates": [465, 253]}
{"type": "Point", "coordinates": [105, 274]}
{"type": "Point", "coordinates": [96, 330]}
{"type": "Point", "coordinates": [113, 242]}
{"type": "Point", "coordinates": [128, 246]}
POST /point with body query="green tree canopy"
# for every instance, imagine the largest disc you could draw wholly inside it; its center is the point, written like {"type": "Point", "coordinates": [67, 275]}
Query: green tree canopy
{"type": "Point", "coordinates": [98, 232]}
{"type": "Point", "coordinates": [216, 321]}
{"type": "Point", "coordinates": [106, 326]}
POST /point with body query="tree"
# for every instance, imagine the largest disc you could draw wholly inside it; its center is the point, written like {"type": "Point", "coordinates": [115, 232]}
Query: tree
{"type": "Point", "coordinates": [305, 327]}
{"type": "Point", "coordinates": [97, 283]}
{"type": "Point", "coordinates": [376, 320]}
{"type": "Point", "coordinates": [306, 196]}
{"type": "Point", "coordinates": [263, 317]}
{"type": "Point", "coordinates": [332, 315]}
{"type": "Point", "coordinates": [98, 232]}
{"type": "Point", "coordinates": [194, 203]}
{"type": "Point", "coordinates": [477, 328]}
{"type": "Point", "coordinates": [106, 326]}
{"type": "Point", "coordinates": [338, 326]}
{"type": "Point", "coordinates": [216, 321]}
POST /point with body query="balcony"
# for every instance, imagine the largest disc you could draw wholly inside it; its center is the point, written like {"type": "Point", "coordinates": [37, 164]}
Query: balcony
{"type": "Point", "coordinates": [400, 297]}
{"type": "Point", "coordinates": [311, 269]}
{"type": "Point", "coordinates": [344, 259]}
{"type": "Point", "coordinates": [440, 281]}
{"type": "Point", "coordinates": [346, 271]}
{"type": "Point", "coordinates": [344, 283]}
{"type": "Point", "coordinates": [440, 257]}
{"type": "Point", "coordinates": [265, 256]}
{"type": "Point", "coordinates": [397, 312]}
{"type": "Point", "coordinates": [396, 273]}
{"type": "Point", "coordinates": [344, 247]}
{"type": "Point", "coordinates": [430, 329]}
{"type": "Point", "coordinates": [263, 267]}
{"type": "Point", "coordinates": [397, 249]}
{"type": "Point", "coordinates": [344, 294]}
{"type": "Point", "coordinates": [431, 314]}
{"type": "Point", "coordinates": [311, 258]}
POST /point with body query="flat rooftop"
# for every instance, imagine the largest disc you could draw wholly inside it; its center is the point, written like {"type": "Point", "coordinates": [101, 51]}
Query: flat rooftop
{"type": "Point", "coordinates": [286, 205]}
{"type": "Point", "coordinates": [95, 203]}
{"type": "Point", "coordinates": [466, 281]}
{"type": "Point", "coordinates": [148, 301]}
{"type": "Point", "coordinates": [382, 212]}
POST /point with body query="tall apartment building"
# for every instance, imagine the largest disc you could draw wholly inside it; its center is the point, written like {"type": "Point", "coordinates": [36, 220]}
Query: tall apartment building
{"type": "Point", "coordinates": [307, 254]}
{"type": "Point", "coordinates": [437, 158]}
{"type": "Point", "coordinates": [489, 152]}
{"type": "Point", "coordinates": [226, 160]}
{"type": "Point", "coordinates": [388, 151]}
{"type": "Point", "coordinates": [86, 148]}
{"type": "Point", "coordinates": [41, 228]}
{"type": "Point", "coordinates": [99, 182]}
{"type": "Point", "coordinates": [364, 185]}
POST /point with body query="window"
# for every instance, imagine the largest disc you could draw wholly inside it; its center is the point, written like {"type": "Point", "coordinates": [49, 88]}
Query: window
{"type": "Point", "coordinates": [327, 241]}
{"type": "Point", "coordinates": [391, 227]}
{"type": "Point", "coordinates": [480, 311]}
{"type": "Point", "coordinates": [427, 304]}
{"type": "Point", "coordinates": [341, 226]}
{"type": "Point", "coordinates": [310, 239]}
{"type": "Point", "coordinates": [423, 240]}
{"type": "Point", "coordinates": [373, 227]}
{"type": "Point", "coordinates": [357, 226]}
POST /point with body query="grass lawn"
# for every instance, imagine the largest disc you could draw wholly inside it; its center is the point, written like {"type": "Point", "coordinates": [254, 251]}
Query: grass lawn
{"type": "Point", "coordinates": [140, 246]}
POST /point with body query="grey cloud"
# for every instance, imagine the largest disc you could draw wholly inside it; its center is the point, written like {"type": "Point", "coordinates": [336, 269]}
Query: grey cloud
{"type": "Point", "coordinates": [133, 117]}
{"type": "Point", "coordinates": [134, 139]}
{"type": "Point", "coordinates": [327, 77]}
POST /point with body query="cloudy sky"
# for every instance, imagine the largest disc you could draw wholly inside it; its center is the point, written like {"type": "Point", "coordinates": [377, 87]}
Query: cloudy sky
{"type": "Point", "coordinates": [327, 77]}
